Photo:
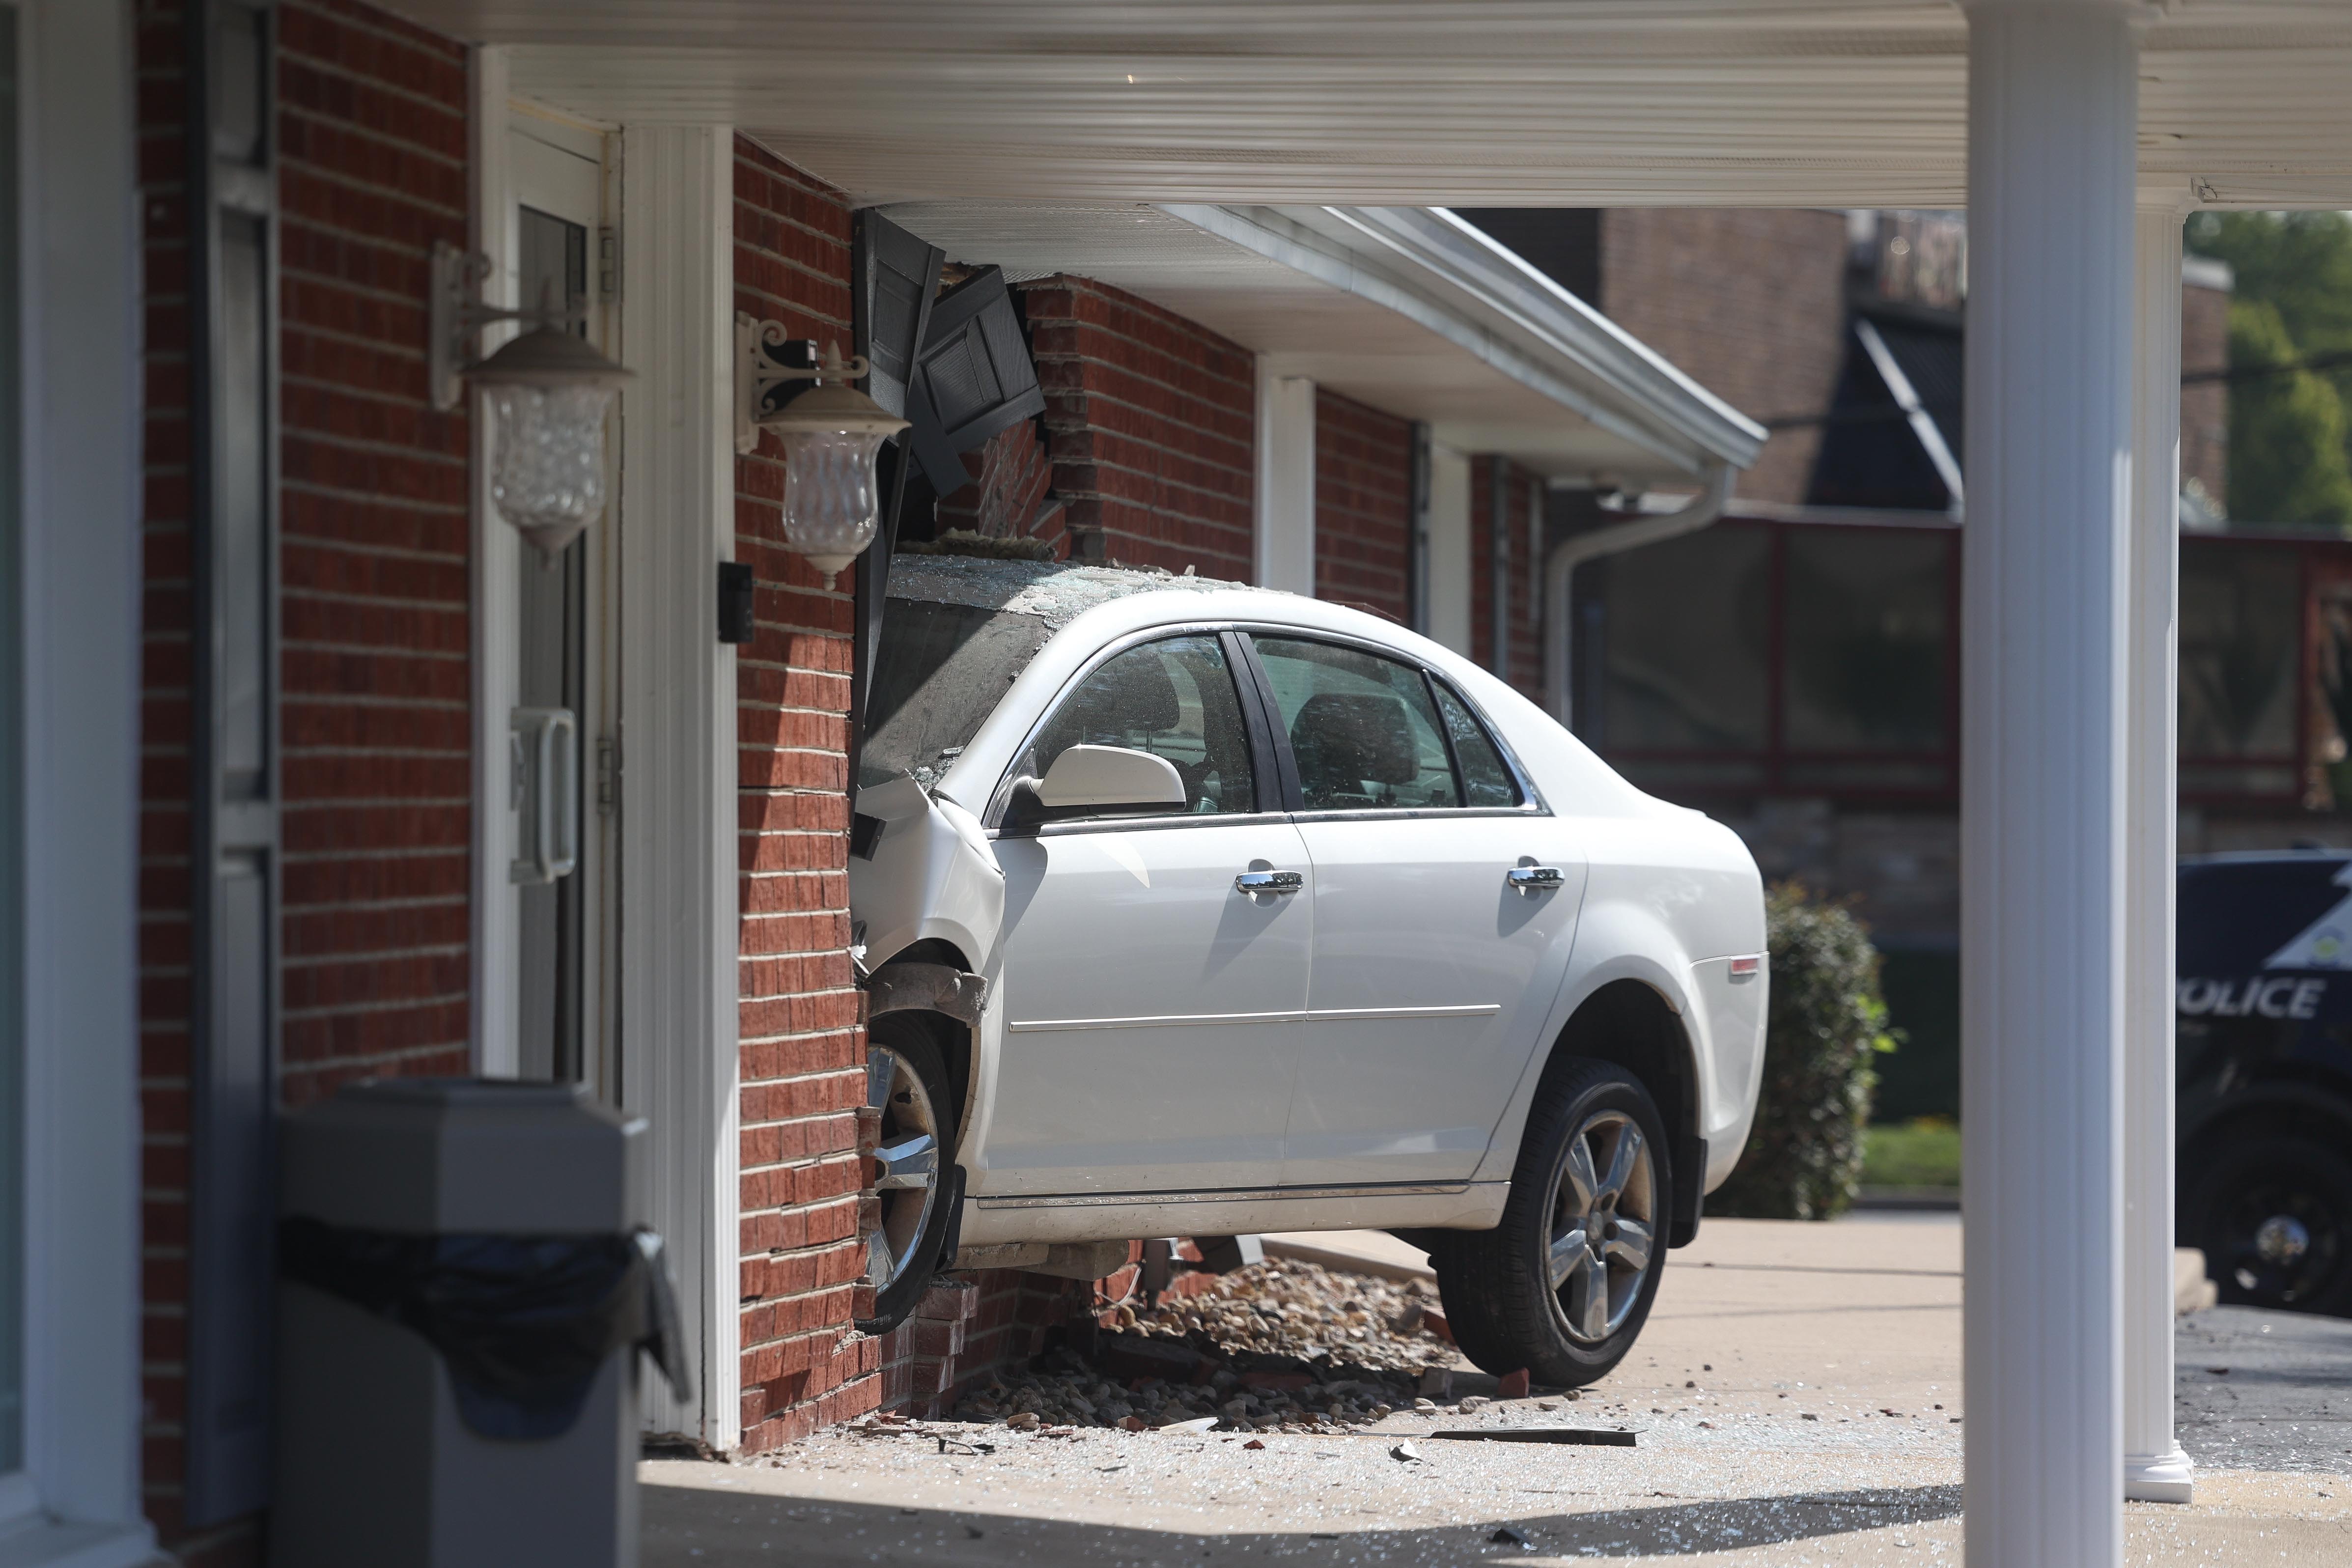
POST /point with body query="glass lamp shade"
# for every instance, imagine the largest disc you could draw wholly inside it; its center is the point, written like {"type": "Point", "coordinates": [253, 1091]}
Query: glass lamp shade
{"type": "Point", "coordinates": [547, 477]}
{"type": "Point", "coordinates": [831, 502]}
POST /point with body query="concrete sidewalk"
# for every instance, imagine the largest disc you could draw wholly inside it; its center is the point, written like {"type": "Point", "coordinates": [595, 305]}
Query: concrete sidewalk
{"type": "Point", "coordinates": [1795, 1397]}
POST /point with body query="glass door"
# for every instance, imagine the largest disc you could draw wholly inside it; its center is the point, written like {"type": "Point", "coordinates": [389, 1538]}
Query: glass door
{"type": "Point", "coordinates": [551, 615]}
{"type": "Point", "coordinates": [560, 789]}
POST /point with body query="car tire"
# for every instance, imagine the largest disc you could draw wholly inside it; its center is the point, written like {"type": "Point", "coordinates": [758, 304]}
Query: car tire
{"type": "Point", "coordinates": [1562, 1286]}
{"type": "Point", "coordinates": [907, 1226]}
{"type": "Point", "coordinates": [2273, 1210]}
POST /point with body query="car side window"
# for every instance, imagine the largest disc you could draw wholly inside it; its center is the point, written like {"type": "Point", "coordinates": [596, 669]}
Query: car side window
{"type": "Point", "coordinates": [1174, 699]}
{"type": "Point", "coordinates": [1486, 780]}
{"type": "Point", "coordinates": [1363, 728]}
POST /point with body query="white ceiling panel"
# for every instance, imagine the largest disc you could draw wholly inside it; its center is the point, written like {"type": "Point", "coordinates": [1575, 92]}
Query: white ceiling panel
{"type": "Point", "coordinates": [1538, 103]}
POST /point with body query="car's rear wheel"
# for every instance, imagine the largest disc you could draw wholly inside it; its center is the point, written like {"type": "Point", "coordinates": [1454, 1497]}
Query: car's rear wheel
{"type": "Point", "coordinates": [2274, 1212]}
{"type": "Point", "coordinates": [906, 1079]}
{"type": "Point", "coordinates": [1563, 1284]}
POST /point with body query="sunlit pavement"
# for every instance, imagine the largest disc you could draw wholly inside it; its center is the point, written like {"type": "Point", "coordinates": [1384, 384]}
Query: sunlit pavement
{"type": "Point", "coordinates": [1796, 1398]}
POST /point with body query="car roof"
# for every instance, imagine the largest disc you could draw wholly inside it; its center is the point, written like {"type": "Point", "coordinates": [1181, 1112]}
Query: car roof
{"type": "Point", "coordinates": [1055, 592]}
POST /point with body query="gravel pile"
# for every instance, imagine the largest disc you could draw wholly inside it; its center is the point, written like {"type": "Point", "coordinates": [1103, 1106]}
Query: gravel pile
{"type": "Point", "coordinates": [1287, 1308]}
{"type": "Point", "coordinates": [1278, 1346]}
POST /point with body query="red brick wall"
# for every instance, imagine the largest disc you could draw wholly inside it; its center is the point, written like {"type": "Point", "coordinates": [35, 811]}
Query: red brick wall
{"type": "Point", "coordinates": [164, 932]}
{"type": "Point", "coordinates": [375, 675]}
{"type": "Point", "coordinates": [1522, 493]}
{"type": "Point", "coordinates": [2205, 405]}
{"type": "Point", "coordinates": [1012, 480]}
{"type": "Point", "coordinates": [1151, 423]}
{"type": "Point", "coordinates": [377, 750]}
{"type": "Point", "coordinates": [802, 1042]}
{"type": "Point", "coordinates": [1751, 304]}
{"type": "Point", "coordinates": [1363, 505]}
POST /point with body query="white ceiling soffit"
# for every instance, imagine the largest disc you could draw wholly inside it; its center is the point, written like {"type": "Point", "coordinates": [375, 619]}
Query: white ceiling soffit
{"type": "Point", "coordinates": [1494, 357]}
{"type": "Point", "coordinates": [1407, 103]}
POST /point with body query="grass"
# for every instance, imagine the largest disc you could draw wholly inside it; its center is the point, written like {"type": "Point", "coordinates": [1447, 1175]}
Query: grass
{"type": "Point", "coordinates": [1922, 1153]}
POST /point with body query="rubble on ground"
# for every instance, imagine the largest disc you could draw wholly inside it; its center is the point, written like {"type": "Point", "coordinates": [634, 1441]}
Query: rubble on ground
{"type": "Point", "coordinates": [1280, 1345]}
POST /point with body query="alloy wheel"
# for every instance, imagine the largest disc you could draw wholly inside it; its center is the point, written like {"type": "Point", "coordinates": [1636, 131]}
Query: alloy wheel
{"type": "Point", "coordinates": [907, 1163]}
{"type": "Point", "coordinates": [1604, 1224]}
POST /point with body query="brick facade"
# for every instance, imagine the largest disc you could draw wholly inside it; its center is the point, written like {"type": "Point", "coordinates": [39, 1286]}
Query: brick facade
{"type": "Point", "coordinates": [1523, 537]}
{"type": "Point", "coordinates": [1751, 303]}
{"type": "Point", "coordinates": [375, 578]}
{"type": "Point", "coordinates": [1010, 493]}
{"type": "Point", "coordinates": [802, 1042]}
{"type": "Point", "coordinates": [2205, 404]}
{"type": "Point", "coordinates": [1150, 424]}
{"type": "Point", "coordinates": [374, 620]}
{"type": "Point", "coordinates": [1363, 505]}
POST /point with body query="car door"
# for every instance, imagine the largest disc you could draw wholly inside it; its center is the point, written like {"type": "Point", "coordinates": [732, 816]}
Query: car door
{"type": "Point", "coordinates": [1444, 898]}
{"type": "Point", "coordinates": [1152, 999]}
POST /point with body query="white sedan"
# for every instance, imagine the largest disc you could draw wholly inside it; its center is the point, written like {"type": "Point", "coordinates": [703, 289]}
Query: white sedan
{"type": "Point", "coordinates": [1194, 908]}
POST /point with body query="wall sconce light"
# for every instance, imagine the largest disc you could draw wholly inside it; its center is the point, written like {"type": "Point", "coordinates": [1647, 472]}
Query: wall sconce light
{"type": "Point", "coordinates": [831, 435]}
{"type": "Point", "coordinates": [548, 393]}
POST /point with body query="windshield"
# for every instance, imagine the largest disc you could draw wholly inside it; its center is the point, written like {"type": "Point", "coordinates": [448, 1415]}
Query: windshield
{"type": "Point", "coordinates": [938, 677]}
{"type": "Point", "coordinates": [956, 632]}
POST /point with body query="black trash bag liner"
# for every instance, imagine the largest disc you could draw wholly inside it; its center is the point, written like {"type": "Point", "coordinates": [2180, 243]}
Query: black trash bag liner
{"type": "Point", "coordinates": [524, 1323]}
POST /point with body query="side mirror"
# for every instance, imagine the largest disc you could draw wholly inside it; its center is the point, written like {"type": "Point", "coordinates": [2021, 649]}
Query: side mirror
{"type": "Point", "coordinates": [1111, 778]}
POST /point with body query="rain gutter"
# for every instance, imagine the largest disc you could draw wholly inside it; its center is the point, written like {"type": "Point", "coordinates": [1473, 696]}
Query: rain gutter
{"type": "Point", "coordinates": [1439, 271]}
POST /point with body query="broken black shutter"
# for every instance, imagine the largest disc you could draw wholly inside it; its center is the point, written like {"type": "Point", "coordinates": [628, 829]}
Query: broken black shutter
{"type": "Point", "coordinates": [974, 377]}
{"type": "Point", "coordinates": [897, 277]}
{"type": "Point", "coordinates": [233, 850]}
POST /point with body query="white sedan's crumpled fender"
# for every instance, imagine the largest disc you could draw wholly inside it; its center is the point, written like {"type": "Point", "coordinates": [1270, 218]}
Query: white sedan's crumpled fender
{"type": "Point", "coordinates": [930, 876]}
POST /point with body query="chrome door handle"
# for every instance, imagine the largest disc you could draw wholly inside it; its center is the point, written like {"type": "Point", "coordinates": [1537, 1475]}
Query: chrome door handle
{"type": "Point", "coordinates": [550, 739]}
{"type": "Point", "coordinates": [1269, 882]}
{"type": "Point", "coordinates": [1534, 879]}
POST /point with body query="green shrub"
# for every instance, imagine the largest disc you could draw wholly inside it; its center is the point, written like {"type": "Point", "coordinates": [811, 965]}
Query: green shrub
{"type": "Point", "coordinates": [1924, 1152]}
{"type": "Point", "coordinates": [1828, 1023]}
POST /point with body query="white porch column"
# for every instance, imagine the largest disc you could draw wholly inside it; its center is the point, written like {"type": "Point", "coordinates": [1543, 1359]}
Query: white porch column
{"type": "Point", "coordinates": [1285, 554]}
{"type": "Point", "coordinates": [679, 770]}
{"type": "Point", "coordinates": [2051, 119]}
{"type": "Point", "coordinates": [2154, 1468]}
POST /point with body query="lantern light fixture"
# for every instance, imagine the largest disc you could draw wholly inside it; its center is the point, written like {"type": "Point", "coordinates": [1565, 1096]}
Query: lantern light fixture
{"type": "Point", "coordinates": [548, 391]}
{"type": "Point", "coordinates": [831, 435]}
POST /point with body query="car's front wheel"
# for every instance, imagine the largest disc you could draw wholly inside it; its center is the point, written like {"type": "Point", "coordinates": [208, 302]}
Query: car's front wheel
{"type": "Point", "coordinates": [907, 1079]}
{"type": "Point", "coordinates": [1562, 1286]}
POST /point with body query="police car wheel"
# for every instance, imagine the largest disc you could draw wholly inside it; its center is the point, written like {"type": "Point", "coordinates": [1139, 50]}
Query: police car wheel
{"type": "Point", "coordinates": [2272, 1212]}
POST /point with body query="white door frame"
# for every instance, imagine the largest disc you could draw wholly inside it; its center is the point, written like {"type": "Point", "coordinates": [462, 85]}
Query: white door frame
{"type": "Point", "coordinates": [75, 1500]}
{"type": "Point", "coordinates": [517, 164]}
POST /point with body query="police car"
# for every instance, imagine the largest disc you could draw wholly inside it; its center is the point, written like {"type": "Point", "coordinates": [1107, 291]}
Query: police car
{"type": "Point", "coordinates": [2264, 1000]}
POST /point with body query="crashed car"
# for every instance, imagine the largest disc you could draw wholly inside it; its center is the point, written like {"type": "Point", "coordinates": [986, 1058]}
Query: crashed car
{"type": "Point", "coordinates": [1192, 909]}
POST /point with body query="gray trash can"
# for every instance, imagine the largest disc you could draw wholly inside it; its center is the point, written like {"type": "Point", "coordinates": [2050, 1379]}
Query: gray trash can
{"type": "Point", "coordinates": [464, 1289]}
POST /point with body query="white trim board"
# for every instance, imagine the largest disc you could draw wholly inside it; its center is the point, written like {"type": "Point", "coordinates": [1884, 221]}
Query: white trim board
{"type": "Point", "coordinates": [677, 945]}
{"type": "Point", "coordinates": [80, 581]}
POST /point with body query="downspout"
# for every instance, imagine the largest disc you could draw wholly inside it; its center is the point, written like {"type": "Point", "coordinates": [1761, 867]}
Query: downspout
{"type": "Point", "coordinates": [1560, 573]}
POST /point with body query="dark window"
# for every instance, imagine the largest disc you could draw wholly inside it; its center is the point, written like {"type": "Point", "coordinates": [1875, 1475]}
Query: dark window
{"type": "Point", "coordinates": [1866, 652]}
{"type": "Point", "coordinates": [1486, 780]}
{"type": "Point", "coordinates": [1688, 645]}
{"type": "Point", "coordinates": [2240, 633]}
{"type": "Point", "coordinates": [1363, 728]}
{"type": "Point", "coordinates": [1174, 699]}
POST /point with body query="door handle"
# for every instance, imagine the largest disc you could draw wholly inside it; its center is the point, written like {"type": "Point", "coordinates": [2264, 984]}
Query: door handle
{"type": "Point", "coordinates": [1534, 879]}
{"type": "Point", "coordinates": [550, 737]}
{"type": "Point", "coordinates": [1255, 882]}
